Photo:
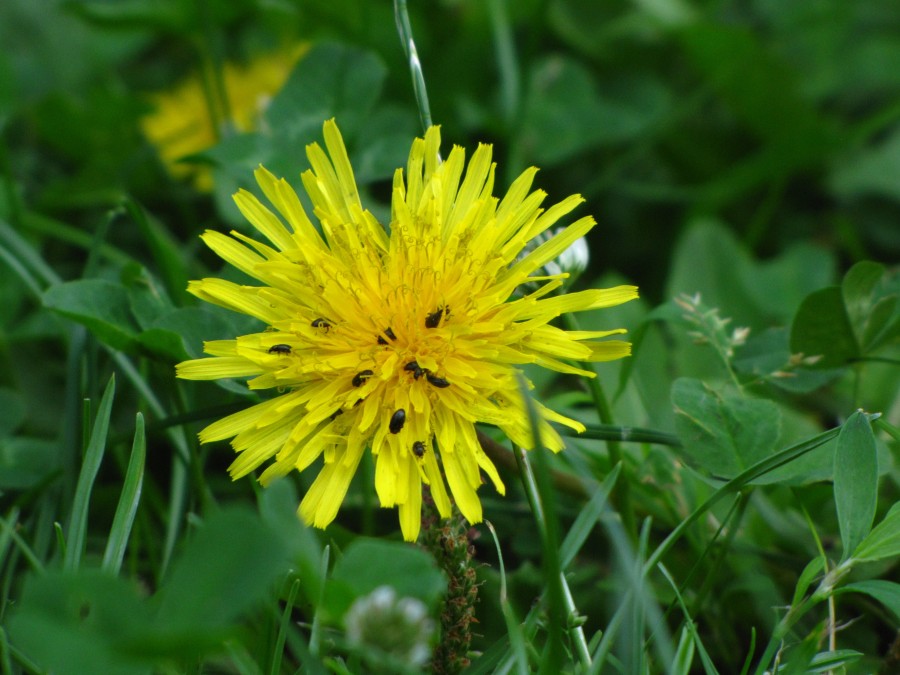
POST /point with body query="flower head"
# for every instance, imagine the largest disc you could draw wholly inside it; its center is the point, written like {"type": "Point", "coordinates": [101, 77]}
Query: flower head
{"type": "Point", "coordinates": [400, 340]}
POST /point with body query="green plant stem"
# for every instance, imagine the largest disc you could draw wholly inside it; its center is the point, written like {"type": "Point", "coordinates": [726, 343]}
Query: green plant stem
{"type": "Point", "coordinates": [887, 428]}
{"type": "Point", "coordinates": [615, 432]}
{"type": "Point", "coordinates": [621, 497]}
{"type": "Point", "coordinates": [401, 15]}
{"type": "Point", "coordinates": [576, 633]}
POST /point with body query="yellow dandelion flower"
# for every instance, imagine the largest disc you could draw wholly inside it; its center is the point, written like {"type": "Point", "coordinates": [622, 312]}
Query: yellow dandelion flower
{"type": "Point", "coordinates": [396, 340]}
{"type": "Point", "coordinates": [180, 123]}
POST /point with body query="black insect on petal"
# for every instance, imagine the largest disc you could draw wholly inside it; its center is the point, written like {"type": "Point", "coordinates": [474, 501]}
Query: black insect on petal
{"type": "Point", "coordinates": [436, 381]}
{"type": "Point", "coordinates": [358, 401]}
{"type": "Point", "coordinates": [361, 377]}
{"type": "Point", "coordinates": [279, 349]}
{"type": "Point", "coordinates": [398, 419]}
{"type": "Point", "coordinates": [336, 414]}
{"type": "Point", "coordinates": [433, 319]}
{"type": "Point", "coordinates": [415, 369]}
{"type": "Point", "coordinates": [320, 323]}
{"type": "Point", "coordinates": [381, 340]}
{"type": "Point", "coordinates": [419, 449]}
{"type": "Point", "coordinates": [390, 333]}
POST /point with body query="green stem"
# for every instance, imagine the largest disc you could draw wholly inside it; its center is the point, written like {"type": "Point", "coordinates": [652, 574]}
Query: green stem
{"type": "Point", "coordinates": [404, 28]}
{"type": "Point", "coordinates": [576, 633]}
{"type": "Point", "coordinates": [887, 427]}
{"type": "Point", "coordinates": [615, 432]}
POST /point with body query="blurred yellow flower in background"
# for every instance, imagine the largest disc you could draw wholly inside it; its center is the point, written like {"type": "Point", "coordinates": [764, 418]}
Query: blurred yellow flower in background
{"type": "Point", "coordinates": [182, 124]}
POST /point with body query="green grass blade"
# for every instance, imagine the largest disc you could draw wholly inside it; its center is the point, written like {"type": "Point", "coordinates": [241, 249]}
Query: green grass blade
{"type": "Point", "coordinates": [128, 501]}
{"type": "Point", "coordinates": [93, 457]}
{"type": "Point", "coordinates": [708, 666]}
{"type": "Point", "coordinates": [513, 627]}
{"type": "Point", "coordinates": [587, 519]}
{"type": "Point", "coordinates": [8, 532]}
{"type": "Point", "coordinates": [283, 628]}
{"type": "Point", "coordinates": [760, 468]}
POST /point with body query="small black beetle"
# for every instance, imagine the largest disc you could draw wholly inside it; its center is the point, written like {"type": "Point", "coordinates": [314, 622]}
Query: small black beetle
{"type": "Point", "coordinates": [361, 377]}
{"type": "Point", "coordinates": [321, 323]}
{"type": "Point", "coordinates": [419, 449]}
{"type": "Point", "coordinates": [433, 319]}
{"type": "Point", "coordinates": [280, 349]}
{"type": "Point", "coordinates": [398, 419]}
{"type": "Point", "coordinates": [436, 381]}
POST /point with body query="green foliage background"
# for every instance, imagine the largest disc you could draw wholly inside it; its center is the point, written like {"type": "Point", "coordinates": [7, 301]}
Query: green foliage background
{"type": "Point", "coordinates": [743, 160]}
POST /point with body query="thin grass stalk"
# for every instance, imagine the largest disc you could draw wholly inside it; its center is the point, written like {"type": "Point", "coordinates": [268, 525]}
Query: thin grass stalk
{"type": "Point", "coordinates": [77, 529]}
{"type": "Point", "coordinates": [120, 532]}
{"type": "Point", "coordinates": [404, 28]}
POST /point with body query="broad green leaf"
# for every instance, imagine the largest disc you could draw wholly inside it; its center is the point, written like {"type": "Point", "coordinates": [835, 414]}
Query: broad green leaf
{"type": "Point", "coordinates": [871, 171]}
{"type": "Point", "coordinates": [26, 461]}
{"type": "Point", "coordinates": [872, 307]}
{"type": "Point", "coordinates": [146, 296]}
{"type": "Point", "coordinates": [179, 334]}
{"type": "Point", "coordinates": [566, 115]}
{"type": "Point", "coordinates": [369, 563]}
{"type": "Point", "coordinates": [884, 539]}
{"type": "Point", "coordinates": [709, 261]}
{"type": "Point", "coordinates": [101, 306]}
{"type": "Point", "coordinates": [779, 285]}
{"type": "Point", "coordinates": [86, 622]}
{"type": "Point", "coordinates": [766, 355]}
{"type": "Point", "coordinates": [821, 327]}
{"type": "Point", "coordinates": [228, 567]}
{"type": "Point", "coordinates": [858, 287]}
{"type": "Point", "coordinates": [723, 433]}
{"type": "Point", "coordinates": [886, 592]}
{"type": "Point", "coordinates": [855, 480]}
{"type": "Point", "coordinates": [759, 87]}
{"type": "Point", "coordinates": [331, 80]}
{"type": "Point", "coordinates": [278, 508]}
{"type": "Point", "coordinates": [12, 410]}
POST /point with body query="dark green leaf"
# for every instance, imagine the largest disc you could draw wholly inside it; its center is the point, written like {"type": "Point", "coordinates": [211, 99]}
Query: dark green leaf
{"type": "Point", "coordinates": [872, 171]}
{"type": "Point", "coordinates": [227, 568]}
{"type": "Point", "coordinates": [179, 334]}
{"type": "Point", "coordinates": [25, 461]}
{"type": "Point", "coordinates": [12, 411]}
{"type": "Point", "coordinates": [821, 328]}
{"type": "Point", "coordinates": [722, 433]}
{"type": "Point", "coordinates": [101, 306]}
{"type": "Point", "coordinates": [332, 80]}
{"type": "Point", "coordinates": [766, 356]}
{"type": "Point", "coordinates": [72, 624]}
{"type": "Point", "coordinates": [565, 115]}
{"type": "Point", "coordinates": [759, 87]}
{"type": "Point", "coordinates": [855, 480]}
